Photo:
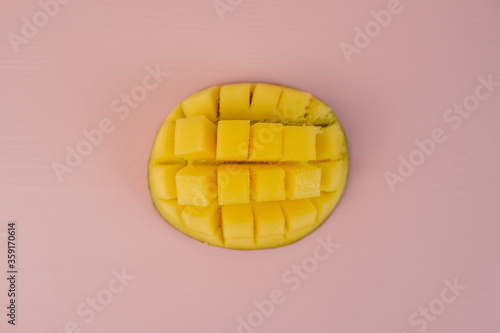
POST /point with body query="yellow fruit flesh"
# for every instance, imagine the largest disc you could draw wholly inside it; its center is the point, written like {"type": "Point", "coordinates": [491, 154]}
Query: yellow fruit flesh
{"type": "Point", "coordinates": [299, 143]}
{"type": "Point", "coordinates": [195, 138]}
{"type": "Point", "coordinates": [233, 140]}
{"type": "Point", "coordinates": [266, 142]}
{"type": "Point", "coordinates": [248, 166]}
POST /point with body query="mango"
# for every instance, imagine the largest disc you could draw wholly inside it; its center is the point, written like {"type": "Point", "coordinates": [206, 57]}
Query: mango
{"type": "Point", "coordinates": [248, 165]}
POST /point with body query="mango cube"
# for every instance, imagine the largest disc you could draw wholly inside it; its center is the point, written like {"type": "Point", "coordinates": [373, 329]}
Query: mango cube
{"type": "Point", "coordinates": [162, 180]}
{"type": "Point", "coordinates": [299, 214]}
{"type": "Point", "coordinates": [176, 113]}
{"type": "Point", "coordinates": [269, 220]}
{"type": "Point", "coordinates": [292, 104]}
{"type": "Point", "coordinates": [171, 210]}
{"type": "Point", "coordinates": [267, 183]}
{"type": "Point", "coordinates": [325, 204]}
{"type": "Point", "coordinates": [318, 113]}
{"type": "Point", "coordinates": [205, 102]}
{"type": "Point", "coordinates": [302, 181]}
{"type": "Point", "coordinates": [163, 146]}
{"type": "Point", "coordinates": [237, 225]}
{"type": "Point", "coordinates": [203, 220]}
{"type": "Point", "coordinates": [233, 182]}
{"type": "Point", "coordinates": [196, 185]}
{"type": "Point", "coordinates": [235, 101]}
{"type": "Point", "coordinates": [265, 142]}
{"type": "Point", "coordinates": [330, 143]}
{"type": "Point", "coordinates": [265, 101]}
{"type": "Point", "coordinates": [332, 174]}
{"type": "Point", "coordinates": [233, 140]}
{"type": "Point", "coordinates": [299, 143]}
{"type": "Point", "coordinates": [195, 138]}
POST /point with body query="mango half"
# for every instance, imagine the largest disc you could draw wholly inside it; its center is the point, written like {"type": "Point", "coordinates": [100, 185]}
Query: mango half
{"type": "Point", "coordinates": [248, 165]}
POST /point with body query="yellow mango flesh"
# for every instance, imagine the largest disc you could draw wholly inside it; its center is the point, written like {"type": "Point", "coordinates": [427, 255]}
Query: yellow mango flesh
{"type": "Point", "coordinates": [248, 166]}
{"type": "Point", "coordinates": [195, 138]}
{"type": "Point", "coordinates": [196, 185]}
{"type": "Point", "coordinates": [233, 140]}
{"type": "Point", "coordinates": [233, 184]}
{"type": "Point", "coordinates": [299, 143]}
{"type": "Point", "coordinates": [319, 113]}
{"type": "Point", "coordinates": [330, 143]}
{"type": "Point", "coordinates": [302, 181]}
{"type": "Point", "coordinates": [265, 101]}
{"type": "Point", "coordinates": [203, 103]}
{"type": "Point", "coordinates": [266, 142]}
{"type": "Point", "coordinates": [163, 146]}
{"type": "Point", "coordinates": [270, 227]}
{"type": "Point", "coordinates": [267, 183]}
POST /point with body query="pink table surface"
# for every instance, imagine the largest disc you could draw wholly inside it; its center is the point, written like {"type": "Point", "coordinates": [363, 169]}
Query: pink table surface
{"type": "Point", "coordinates": [398, 249]}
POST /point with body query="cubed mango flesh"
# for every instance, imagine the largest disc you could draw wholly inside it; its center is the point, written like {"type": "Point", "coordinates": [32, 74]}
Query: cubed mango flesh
{"type": "Point", "coordinates": [331, 143]}
{"type": "Point", "coordinates": [204, 220]}
{"type": "Point", "coordinates": [233, 182]}
{"type": "Point", "coordinates": [265, 142]}
{"type": "Point", "coordinates": [203, 103]}
{"type": "Point", "coordinates": [299, 143]}
{"type": "Point", "coordinates": [176, 113]}
{"type": "Point", "coordinates": [333, 173]}
{"type": "Point", "coordinates": [233, 140]}
{"type": "Point", "coordinates": [235, 101]}
{"type": "Point", "coordinates": [299, 213]}
{"type": "Point", "coordinates": [196, 185]}
{"type": "Point", "coordinates": [163, 180]}
{"type": "Point", "coordinates": [269, 220]}
{"type": "Point", "coordinates": [318, 113]}
{"type": "Point", "coordinates": [325, 204]}
{"type": "Point", "coordinates": [265, 101]}
{"type": "Point", "coordinates": [172, 211]}
{"type": "Point", "coordinates": [163, 146]}
{"type": "Point", "coordinates": [195, 138]}
{"type": "Point", "coordinates": [267, 183]}
{"type": "Point", "coordinates": [292, 104]}
{"type": "Point", "coordinates": [238, 224]}
{"type": "Point", "coordinates": [248, 166]}
{"type": "Point", "coordinates": [302, 181]}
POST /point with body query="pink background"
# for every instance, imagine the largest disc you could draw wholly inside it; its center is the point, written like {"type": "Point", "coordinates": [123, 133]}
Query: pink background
{"type": "Point", "coordinates": [396, 248]}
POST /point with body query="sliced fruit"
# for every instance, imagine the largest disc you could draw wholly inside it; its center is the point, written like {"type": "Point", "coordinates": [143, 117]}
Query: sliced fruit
{"type": "Point", "coordinates": [332, 174]}
{"type": "Point", "coordinates": [302, 181]}
{"type": "Point", "coordinates": [248, 165]}
{"type": "Point", "coordinates": [233, 140]}
{"type": "Point", "coordinates": [269, 224]}
{"type": "Point", "coordinates": [233, 183]}
{"type": "Point", "coordinates": [299, 143]}
{"type": "Point", "coordinates": [330, 143]}
{"type": "Point", "coordinates": [196, 185]}
{"type": "Point", "coordinates": [176, 113]}
{"type": "Point", "coordinates": [299, 214]}
{"type": "Point", "coordinates": [267, 183]}
{"type": "Point", "coordinates": [195, 138]}
{"type": "Point", "coordinates": [266, 142]}
{"type": "Point", "coordinates": [235, 101]}
{"type": "Point", "coordinates": [265, 102]}
{"type": "Point", "coordinates": [292, 105]}
{"type": "Point", "coordinates": [318, 113]}
{"type": "Point", "coordinates": [203, 220]}
{"type": "Point", "coordinates": [203, 103]}
{"type": "Point", "coordinates": [163, 146]}
{"type": "Point", "coordinates": [163, 180]}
